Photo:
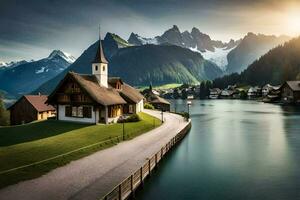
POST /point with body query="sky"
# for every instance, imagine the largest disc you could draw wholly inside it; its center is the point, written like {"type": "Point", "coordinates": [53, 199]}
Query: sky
{"type": "Point", "coordinates": [31, 29]}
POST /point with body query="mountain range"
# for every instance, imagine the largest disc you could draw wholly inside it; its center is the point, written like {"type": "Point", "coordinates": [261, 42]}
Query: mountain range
{"type": "Point", "coordinates": [230, 57]}
{"type": "Point", "coordinates": [173, 57]}
{"type": "Point", "coordinates": [25, 76]}
{"type": "Point", "coordinates": [278, 65]}
{"type": "Point", "coordinates": [143, 65]}
{"type": "Point", "coordinates": [250, 48]}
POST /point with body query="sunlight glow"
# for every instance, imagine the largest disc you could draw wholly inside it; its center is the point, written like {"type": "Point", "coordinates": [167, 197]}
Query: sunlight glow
{"type": "Point", "coordinates": [293, 23]}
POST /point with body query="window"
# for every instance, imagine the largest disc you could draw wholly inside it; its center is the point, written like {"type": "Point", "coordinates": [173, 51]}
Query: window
{"type": "Point", "coordinates": [74, 111]}
{"type": "Point", "coordinates": [130, 109]}
{"type": "Point", "coordinates": [96, 68]}
{"type": "Point", "coordinates": [87, 112]}
{"type": "Point", "coordinates": [68, 112]}
{"type": "Point", "coordinates": [79, 111]}
{"type": "Point", "coordinates": [103, 68]}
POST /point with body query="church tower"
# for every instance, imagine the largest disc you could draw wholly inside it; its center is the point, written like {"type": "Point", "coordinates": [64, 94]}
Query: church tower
{"type": "Point", "coordinates": [100, 66]}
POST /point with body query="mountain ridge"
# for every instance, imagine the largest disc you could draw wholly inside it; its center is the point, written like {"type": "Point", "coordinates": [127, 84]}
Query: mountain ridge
{"type": "Point", "coordinates": [27, 76]}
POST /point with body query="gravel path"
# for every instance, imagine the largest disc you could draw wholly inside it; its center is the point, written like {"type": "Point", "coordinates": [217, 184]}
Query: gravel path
{"type": "Point", "coordinates": [94, 176]}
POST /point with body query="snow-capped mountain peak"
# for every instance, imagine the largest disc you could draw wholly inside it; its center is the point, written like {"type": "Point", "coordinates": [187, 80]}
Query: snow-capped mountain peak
{"type": "Point", "coordinates": [3, 64]}
{"type": "Point", "coordinates": [68, 57]}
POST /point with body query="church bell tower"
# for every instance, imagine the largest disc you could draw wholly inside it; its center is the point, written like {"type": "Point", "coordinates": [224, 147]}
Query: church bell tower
{"type": "Point", "coordinates": [100, 66]}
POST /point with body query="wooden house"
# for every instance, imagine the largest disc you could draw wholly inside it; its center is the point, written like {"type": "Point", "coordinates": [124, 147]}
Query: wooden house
{"type": "Point", "coordinates": [95, 98]}
{"type": "Point", "coordinates": [158, 102]}
{"type": "Point", "coordinates": [290, 92]}
{"type": "Point", "coordinates": [30, 108]}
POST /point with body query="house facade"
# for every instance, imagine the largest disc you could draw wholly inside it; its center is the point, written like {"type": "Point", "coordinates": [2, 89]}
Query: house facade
{"type": "Point", "coordinates": [154, 99]}
{"type": "Point", "coordinates": [254, 92]}
{"type": "Point", "coordinates": [214, 93]}
{"type": "Point", "coordinates": [95, 98]}
{"type": "Point", "coordinates": [290, 92]}
{"type": "Point", "coordinates": [30, 108]}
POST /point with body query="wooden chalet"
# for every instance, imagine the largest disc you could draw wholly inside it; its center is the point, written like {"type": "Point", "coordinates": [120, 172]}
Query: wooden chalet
{"type": "Point", "coordinates": [158, 102]}
{"type": "Point", "coordinates": [95, 98]}
{"type": "Point", "coordinates": [30, 108]}
{"type": "Point", "coordinates": [290, 92]}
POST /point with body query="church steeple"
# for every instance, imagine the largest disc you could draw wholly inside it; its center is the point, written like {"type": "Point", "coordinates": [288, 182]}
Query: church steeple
{"type": "Point", "coordinates": [100, 58]}
{"type": "Point", "coordinates": [99, 66]}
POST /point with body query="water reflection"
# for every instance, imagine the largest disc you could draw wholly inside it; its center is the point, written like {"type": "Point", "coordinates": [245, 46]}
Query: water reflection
{"type": "Point", "coordinates": [235, 150]}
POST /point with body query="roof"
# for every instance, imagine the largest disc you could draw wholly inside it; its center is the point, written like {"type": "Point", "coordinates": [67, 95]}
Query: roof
{"type": "Point", "coordinates": [38, 102]}
{"type": "Point", "coordinates": [100, 58]}
{"type": "Point", "coordinates": [131, 93]}
{"type": "Point", "coordinates": [114, 80]}
{"type": "Point", "coordinates": [102, 95]}
{"type": "Point", "coordinates": [294, 85]}
{"type": "Point", "coordinates": [158, 99]}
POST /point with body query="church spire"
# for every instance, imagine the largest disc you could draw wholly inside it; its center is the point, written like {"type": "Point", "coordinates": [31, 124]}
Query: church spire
{"type": "Point", "coordinates": [100, 58]}
{"type": "Point", "coordinates": [99, 66]}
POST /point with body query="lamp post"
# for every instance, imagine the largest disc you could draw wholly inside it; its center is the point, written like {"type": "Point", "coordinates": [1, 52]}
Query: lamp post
{"type": "Point", "coordinates": [162, 116]}
{"type": "Point", "coordinates": [123, 130]}
{"type": "Point", "coordinates": [189, 103]}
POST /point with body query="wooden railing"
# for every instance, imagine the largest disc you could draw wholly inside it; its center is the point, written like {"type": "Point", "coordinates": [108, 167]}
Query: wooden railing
{"type": "Point", "coordinates": [127, 188]}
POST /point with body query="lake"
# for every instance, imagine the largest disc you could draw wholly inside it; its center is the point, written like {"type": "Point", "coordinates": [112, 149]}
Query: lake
{"type": "Point", "coordinates": [235, 150]}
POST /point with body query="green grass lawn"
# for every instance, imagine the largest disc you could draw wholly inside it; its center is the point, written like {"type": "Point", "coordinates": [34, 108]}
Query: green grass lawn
{"type": "Point", "coordinates": [25, 144]}
{"type": "Point", "coordinates": [162, 87]}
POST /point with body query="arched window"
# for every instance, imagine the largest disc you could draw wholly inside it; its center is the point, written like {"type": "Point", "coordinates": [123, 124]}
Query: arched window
{"type": "Point", "coordinates": [103, 68]}
{"type": "Point", "coordinates": [96, 67]}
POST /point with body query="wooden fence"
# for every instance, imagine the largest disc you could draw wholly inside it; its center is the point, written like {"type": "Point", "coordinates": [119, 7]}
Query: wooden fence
{"type": "Point", "coordinates": [127, 188]}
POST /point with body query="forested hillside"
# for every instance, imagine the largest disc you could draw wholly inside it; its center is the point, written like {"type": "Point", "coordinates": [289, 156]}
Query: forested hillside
{"type": "Point", "coordinates": [278, 65]}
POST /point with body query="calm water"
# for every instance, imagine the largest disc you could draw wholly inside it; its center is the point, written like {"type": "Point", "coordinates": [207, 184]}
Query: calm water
{"type": "Point", "coordinates": [235, 150]}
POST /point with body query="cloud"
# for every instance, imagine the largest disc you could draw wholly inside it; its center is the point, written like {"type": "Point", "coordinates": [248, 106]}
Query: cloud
{"type": "Point", "coordinates": [73, 24]}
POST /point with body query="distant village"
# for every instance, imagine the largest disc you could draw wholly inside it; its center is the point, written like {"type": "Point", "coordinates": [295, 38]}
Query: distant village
{"type": "Point", "coordinates": [289, 92]}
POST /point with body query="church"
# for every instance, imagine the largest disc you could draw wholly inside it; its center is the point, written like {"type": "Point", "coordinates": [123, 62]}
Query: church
{"type": "Point", "coordinates": [95, 98]}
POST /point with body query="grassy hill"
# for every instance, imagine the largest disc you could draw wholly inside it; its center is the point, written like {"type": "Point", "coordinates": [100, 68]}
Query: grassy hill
{"type": "Point", "coordinates": [46, 140]}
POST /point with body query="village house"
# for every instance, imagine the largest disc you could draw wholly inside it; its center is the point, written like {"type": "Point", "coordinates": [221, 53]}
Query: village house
{"type": "Point", "coordinates": [268, 89]}
{"type": "Point", "coordinates": [95, 98]}
{"type": "Point", "coordinates": [254, 92]}
{"type": "Point", "coordinates": [158, 102]}
{"type": "Point", "coordinates": [214, 93]}
{"type": "Point", "coordinates": [290, 92]}
{"type": "Point", "coordinates": [30, 108]}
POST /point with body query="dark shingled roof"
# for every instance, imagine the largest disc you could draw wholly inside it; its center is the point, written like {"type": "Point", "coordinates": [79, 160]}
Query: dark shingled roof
{"type": "Point", "coordinates": [294, 85]}
{"type": "Point", "coordinates": [38, 102]}
{"type": "Point", "coordinates": [102, 95]}
{"type": "Point", "coordinates": [100, 58]}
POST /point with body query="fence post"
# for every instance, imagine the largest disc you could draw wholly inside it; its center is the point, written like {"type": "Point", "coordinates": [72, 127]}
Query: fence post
{"type": "Point", "coordinates": [149, 165]}
{"type": "Point", "coordinates": [132, 189]}
{"type": "Point", "coordinates": [141, 173]}
{"type": "Point", "coordinates": [120, 192]}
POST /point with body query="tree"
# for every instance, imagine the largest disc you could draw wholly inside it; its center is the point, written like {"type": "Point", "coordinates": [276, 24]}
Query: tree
{"type": "Point", "coordinates": [208, 86]}
{"type": "Point", "coordinates": [4, 114]}
{"type": "Point", "coordinates": [202, 90]}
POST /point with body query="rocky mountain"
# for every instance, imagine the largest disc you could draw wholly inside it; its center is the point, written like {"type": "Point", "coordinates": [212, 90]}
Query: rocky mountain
{"type": "Point", "coordinates": [27, 76]}
{"type": "Point", "coordinates": [213, 50]}
{"type": "Point", "coordinates": [251, 47]}
{"type": "Point", "coordinates": [278, 65]}
{"type": "Point", "coordinates": [7, 65]}
{"type": "Point", "coordinates": [233, 56]}
{"type": "Point", "coordinates": [142, 65]}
